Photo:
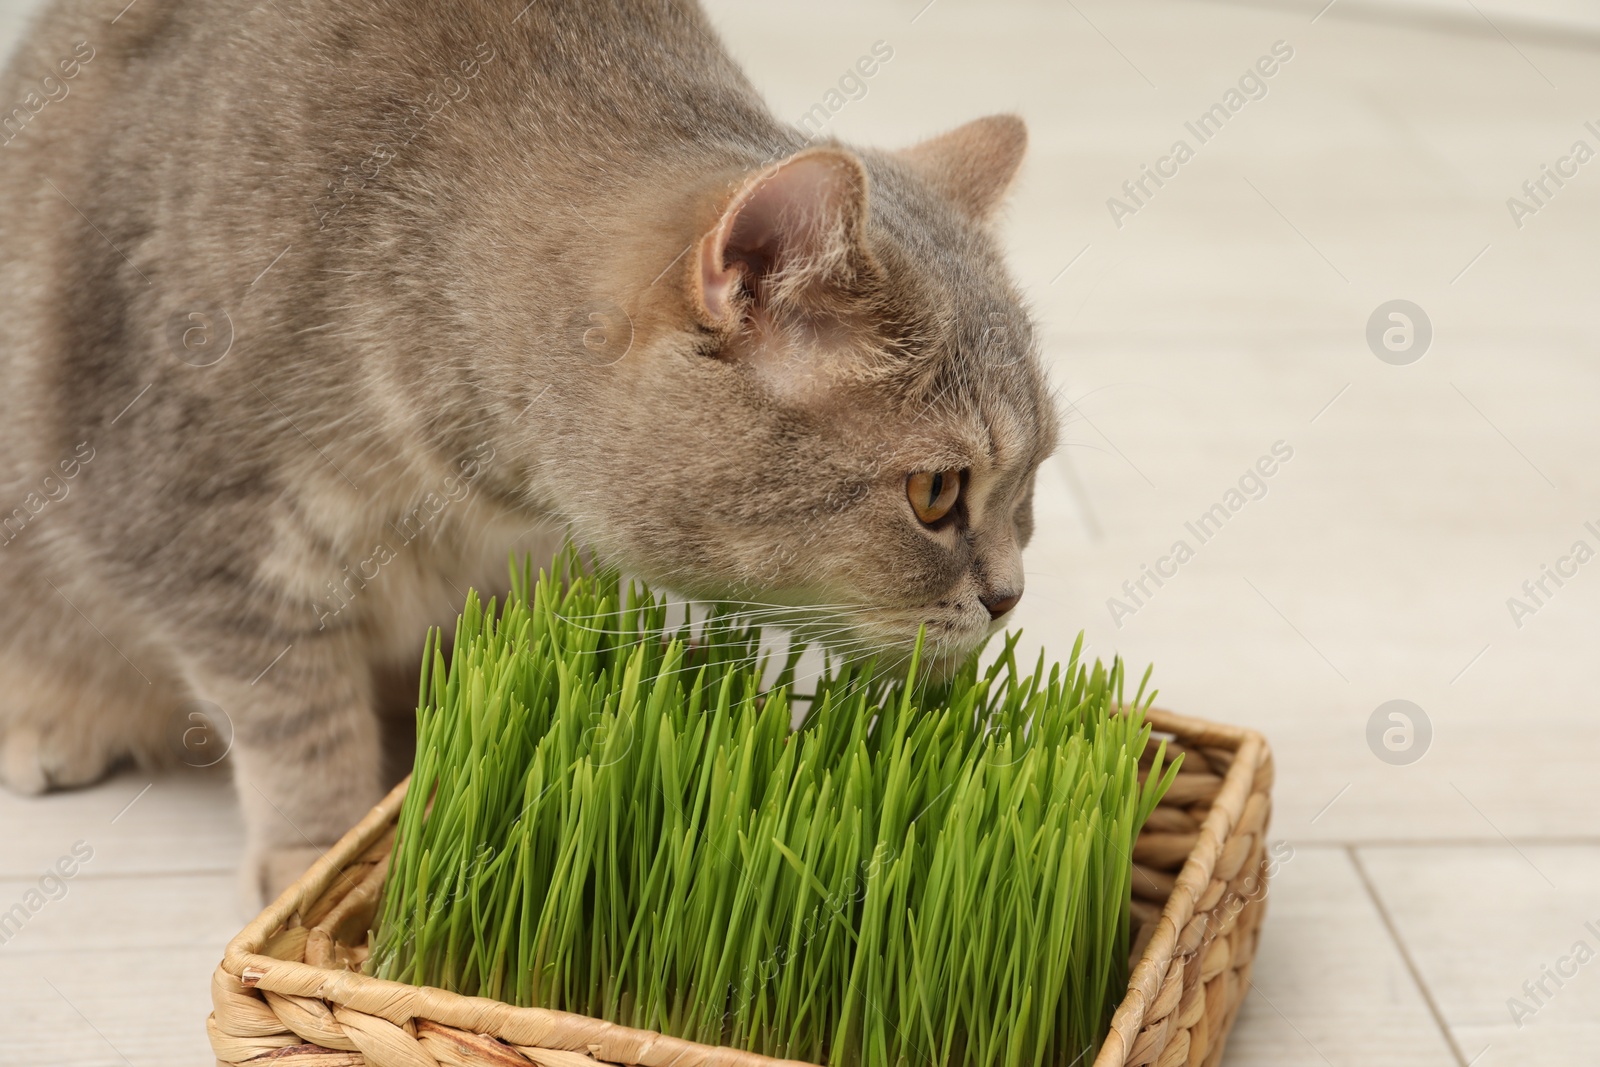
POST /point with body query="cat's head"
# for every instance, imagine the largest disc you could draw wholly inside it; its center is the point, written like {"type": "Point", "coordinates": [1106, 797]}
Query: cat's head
{"type": "Point", "coordinates": [832, 400]}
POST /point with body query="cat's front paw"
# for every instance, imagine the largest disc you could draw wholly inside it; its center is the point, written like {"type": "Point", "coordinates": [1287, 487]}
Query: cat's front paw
{"type": "Point", "coordinates": [21, 769]}
{"type": "Point", "coordinates": [34, 760]}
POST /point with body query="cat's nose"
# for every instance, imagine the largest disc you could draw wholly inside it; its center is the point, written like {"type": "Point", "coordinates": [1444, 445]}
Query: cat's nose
{"type": "Point", "coordinates": [1000, 603]}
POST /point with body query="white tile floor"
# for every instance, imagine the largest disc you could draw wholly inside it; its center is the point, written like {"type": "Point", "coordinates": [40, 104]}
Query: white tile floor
{"type": "Point", "coordinates": [1227, 314]}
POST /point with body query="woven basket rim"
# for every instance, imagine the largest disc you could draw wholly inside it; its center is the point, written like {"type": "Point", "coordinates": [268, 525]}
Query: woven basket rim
{"type": "Point", "coordinates": [398, 1002]}
{"type": "Point", "coordinates": [1144, 984]}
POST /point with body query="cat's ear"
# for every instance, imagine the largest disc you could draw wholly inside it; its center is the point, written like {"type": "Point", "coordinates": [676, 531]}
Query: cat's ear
{"type": "Point", "coordinates": [972, 165]}
{"type": "Point", "coordinates": [788, 228]}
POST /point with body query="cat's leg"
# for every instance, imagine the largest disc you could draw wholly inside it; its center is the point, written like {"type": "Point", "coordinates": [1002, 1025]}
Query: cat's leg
{"type": "Point", "coordinates": [77, 696]}
{"type": "Point", "coordinates": [307, 753]}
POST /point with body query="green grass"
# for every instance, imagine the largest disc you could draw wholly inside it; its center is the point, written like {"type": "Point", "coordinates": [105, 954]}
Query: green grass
{"type": "Point", "coordinates": [624, 825]}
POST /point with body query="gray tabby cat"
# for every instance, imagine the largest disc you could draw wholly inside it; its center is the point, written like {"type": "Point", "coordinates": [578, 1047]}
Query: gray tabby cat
{"type": "Point", "coordinates": [317, 311]}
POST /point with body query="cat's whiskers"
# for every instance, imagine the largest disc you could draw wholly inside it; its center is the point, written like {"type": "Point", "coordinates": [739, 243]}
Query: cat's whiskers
{"type": "Point", "coordinates": [812, 634]}
{"type": "Point", "coordinates": [758, 610]}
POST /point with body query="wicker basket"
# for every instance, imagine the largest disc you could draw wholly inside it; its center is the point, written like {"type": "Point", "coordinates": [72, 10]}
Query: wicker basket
{"type": "Point", "coordinates": [289, 992]}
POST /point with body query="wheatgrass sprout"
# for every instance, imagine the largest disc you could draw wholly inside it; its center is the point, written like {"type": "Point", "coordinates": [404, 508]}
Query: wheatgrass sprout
{"type": "Point", "coordinates": [613, 817]}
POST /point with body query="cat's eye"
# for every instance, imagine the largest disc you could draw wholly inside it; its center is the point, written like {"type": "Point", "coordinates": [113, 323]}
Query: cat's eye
{"type": "Point", "coordinates": [933, 494]}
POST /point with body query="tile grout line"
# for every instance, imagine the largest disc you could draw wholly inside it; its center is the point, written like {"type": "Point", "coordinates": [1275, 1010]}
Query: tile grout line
{"type": "Point", "coordinates": [1406, 958]}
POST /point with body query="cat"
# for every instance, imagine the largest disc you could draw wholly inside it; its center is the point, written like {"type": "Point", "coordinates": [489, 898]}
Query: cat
{"type": "Point", "coordinates": [316, 313]}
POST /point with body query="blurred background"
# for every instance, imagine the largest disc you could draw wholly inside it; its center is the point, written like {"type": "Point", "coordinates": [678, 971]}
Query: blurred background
{"type": "Point", "coordinates": [1372, 273]}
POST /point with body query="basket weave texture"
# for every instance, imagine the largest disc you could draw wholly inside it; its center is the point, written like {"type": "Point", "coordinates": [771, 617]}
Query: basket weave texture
{"type": "Point", "coordinates": [289, 992]}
